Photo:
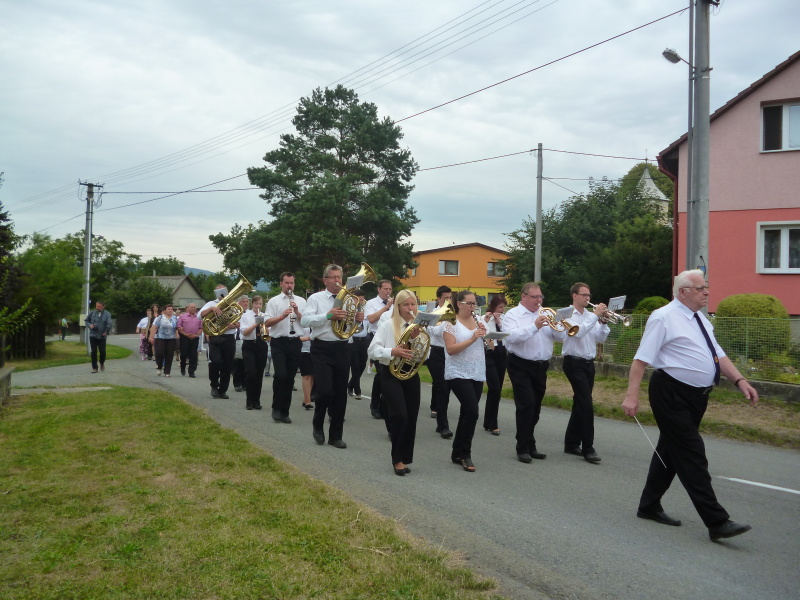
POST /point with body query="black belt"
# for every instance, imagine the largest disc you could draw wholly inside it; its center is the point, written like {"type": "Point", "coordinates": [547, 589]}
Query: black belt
{"type": "Point", "coordinates": [528, 360]}
{"type": "Point", "coordinates": [702, 391]}
{"type": "Point", "coordinates": [578, 358]}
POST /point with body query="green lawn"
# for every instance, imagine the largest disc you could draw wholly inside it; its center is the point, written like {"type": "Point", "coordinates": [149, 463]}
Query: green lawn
{"type": "Point", "coordinates": [134, 494]}
{"type": "Point", "coordinates": [60, 353]}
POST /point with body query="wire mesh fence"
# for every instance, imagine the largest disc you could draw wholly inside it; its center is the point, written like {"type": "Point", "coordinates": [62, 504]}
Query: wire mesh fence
{"type": "Point", "coordinates": [760, 348]}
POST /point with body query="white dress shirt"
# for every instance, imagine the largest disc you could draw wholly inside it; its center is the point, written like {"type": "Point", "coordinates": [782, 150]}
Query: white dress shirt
{"type": "Point", "coordinates": [525, 340]}
{"type": "Point", "coordinates": [380, 348]}
{"type": "Point", "coordinates": [590, 333]}
{"type": "Point", "coordinates": [209, 305]}
{"type": "Point", "coordinates": [248, 320]}
{"type": "Point", "coordinates": [373, 306]}
{"type": "Point", "coordinates": [275, 308]}
{"type": "Point", "coordinates": [315, 316]}
{"type": "Point", "coordinates": [673, 342]}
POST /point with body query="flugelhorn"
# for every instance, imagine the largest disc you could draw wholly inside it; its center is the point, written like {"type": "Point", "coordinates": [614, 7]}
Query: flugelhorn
{"type": "Point", "coordinates": [348, 301]}
{"type": "Point", "coordinates": [615, 318]}
{"type": "Point", "coordinates": [556, 325]}
{"type": "Point", "coordinates": [406, 368]}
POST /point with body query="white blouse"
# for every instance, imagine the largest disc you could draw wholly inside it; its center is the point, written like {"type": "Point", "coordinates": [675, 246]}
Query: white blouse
{"type": "Point", "coordinates": [470, 363]}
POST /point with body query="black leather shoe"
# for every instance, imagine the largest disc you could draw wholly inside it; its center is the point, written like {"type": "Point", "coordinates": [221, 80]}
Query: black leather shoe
{"type": "Point", "coordinates": [446, 434]}
{"type": "Point", "coordinates": [276, 416]}
{"type": "Point", "coordinates": [286, 419]}
{"type": "Point", "coordinates": [537, 455]}
{"type": "Point", "coordinates": [659, 517]}
{"type": "Point", "coordinates": [238, 388]}
{"type": "Point", "coordinates": [376, 414]}
{"type": "Point", "coordinates": [319, 436]}
{"type": "Point", "coordinates": [573, 450]}
{"type": "Point", "coordinates": [191, 375]}
{"type": "Point", "coordinates": [249, 408]}
{"type": "Point", "coordinates": [524, 457]}
{"type": "Point", "coordinates": [308, 406]}
{"type": "Point", "coordinates": [338, 444]}
{"type": "Point", "coordinates": [257, 407]}
{"type": "Point", "coordinates": [727, 529]}
{"type": "Point", "coordinates": [407, 470]}
{"type": "Point", "coordinates": [223, 396]}
{"type": "Point", "coordinates": [591, 457]}
{"type": "Point", "coordinates": [214, 393]}
{"type": "Point", "coordinates": [400, 472]}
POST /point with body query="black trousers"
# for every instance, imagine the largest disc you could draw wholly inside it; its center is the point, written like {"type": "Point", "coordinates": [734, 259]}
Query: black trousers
{"type": "Point", "coordinates": [358, 362]}
{"type": "Point", "coordinates": [401, 400]}
{"type": "Point", "coordinates": [468, 393]}
{"type": "Point", "coordinates": [98, 345]}
{"type": "Point", "coordinates": [188, 348]}
{"type": "Point", "coordinates": [221, 351]}
{"type": "Point", "coordinates": [331, 362]}
{"type": "Point", "coordinates": [496, 363]}
{"type": "Point", "coordinates": [529, 381]}
{"type": "Point", "coordinates": [678, 409]}
{"type": "Point", "coordinates": [580, 429]}
{"type": "Point", "coordinates": [165, 352]}
{"type": "Point", "coordinates": [440, 389]}
{"type": "Point", "coordinates": [254, 354]}
{"type": "Point", "coordinates": [375, 399]}
{"type": "Point", "coordinates": [285, 362]}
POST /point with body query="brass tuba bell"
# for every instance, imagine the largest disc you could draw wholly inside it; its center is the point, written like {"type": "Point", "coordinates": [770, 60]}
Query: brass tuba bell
{"type": "Point", "coordinates": [214, 324]}
{"type": "Point", "coordinates": [349, 302]}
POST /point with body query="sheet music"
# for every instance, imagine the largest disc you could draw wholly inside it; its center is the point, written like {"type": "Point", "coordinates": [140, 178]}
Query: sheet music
{"type": "Point", "coordinates": [426, 319]}
{"type": "Point", "coordinates": [617, 303]}
{"type": "Point", "coordinates": [496, 335]}
{"type": "Point", "coordinates": [354, 282]}
{"type": "Point", "coordinates": [564, 313]}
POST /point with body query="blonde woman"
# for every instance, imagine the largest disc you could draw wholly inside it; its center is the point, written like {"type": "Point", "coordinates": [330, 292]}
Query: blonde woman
{"type": "Point", "coordinates": [400, 397]}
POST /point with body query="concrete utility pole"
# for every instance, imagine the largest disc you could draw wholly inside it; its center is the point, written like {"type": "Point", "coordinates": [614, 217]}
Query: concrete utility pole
{"type": "Point", "coordinates": [87, 256]}
{"type": "Point", "coordinates": [698, 207]}
{"type": "Point", "coordinates": [537, 268]}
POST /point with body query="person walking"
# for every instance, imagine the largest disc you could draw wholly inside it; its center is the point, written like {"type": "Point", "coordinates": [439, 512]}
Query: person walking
{"type": "Point", "coordinates": [99, 324]}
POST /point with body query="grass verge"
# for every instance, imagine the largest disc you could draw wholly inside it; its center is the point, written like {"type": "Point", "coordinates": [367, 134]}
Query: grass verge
{"type": "Point", "coordinates": [133, 494]}
{"type": "Point", "coordinates": [58, 354]}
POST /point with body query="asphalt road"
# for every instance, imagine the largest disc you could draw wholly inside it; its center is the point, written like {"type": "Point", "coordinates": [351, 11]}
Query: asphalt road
{"type": "Point", "coordinates": [559, 528]}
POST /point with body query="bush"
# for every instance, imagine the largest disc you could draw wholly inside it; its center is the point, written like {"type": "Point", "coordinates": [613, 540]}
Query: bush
{"type": "Point", "coordinates": [648, 305]}
{"type": "Point", "coordinates": [627, 344]}
{"type": "Point", "coordinates": [752, 325]}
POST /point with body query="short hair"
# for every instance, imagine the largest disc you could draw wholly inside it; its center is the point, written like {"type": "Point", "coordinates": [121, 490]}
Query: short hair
{"type": "Point", "coordinates": [443, 289]}
{"type": "Point", "coordinates": [331, 267]}
{"type": "Point", "coordinates": [682, 279]}
{"type": "Point", "coordinates": [99, 302]}
{"type": "Point", "coordinates": [529, 286]}
{"type": "Point", "coordinates": [166, 306]}
{"type": "Point", "coordinates": [254, 298]}
{"type": "Point", "coordinates": [220, 286]}
{"type": "Point", "coordinates": [358, 292]}
{"type": "Point", "coordinates": [576, 287]}
{"type": "Point", "coordinates": [285, 274]}
{"type": "Point", "coordinates": [496, 299]}
{"type": "Point", "coordinates": [382, 281]}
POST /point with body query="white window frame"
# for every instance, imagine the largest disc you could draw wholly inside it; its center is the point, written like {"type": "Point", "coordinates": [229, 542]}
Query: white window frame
{"type": "Point", "coordinates": [783, 227]}
{"type": "Point", "coordinates": [442, 268]}
{"type": "Point", "coordinates": [785, 130]}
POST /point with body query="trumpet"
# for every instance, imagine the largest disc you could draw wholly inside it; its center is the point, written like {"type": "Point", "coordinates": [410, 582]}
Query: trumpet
{"type": "Point", "coordinates": [614, 318]}
{"type": "Point", "coordinates": [560, 326]}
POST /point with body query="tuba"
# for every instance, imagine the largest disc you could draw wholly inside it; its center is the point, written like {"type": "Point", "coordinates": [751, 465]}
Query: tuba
{"type": "Point", "coordinates": [404, 368]}
{"type": "Point", "coordinates": [214, 324]}
{"type": "Point", "coordinates": [559, 326]}
{"type": "Point", "coordinates": [349, 302]}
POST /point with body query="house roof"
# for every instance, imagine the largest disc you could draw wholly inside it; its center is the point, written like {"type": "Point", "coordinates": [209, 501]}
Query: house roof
{"type": "Point", "coordinates": [673, 147]}
{"type": "Point", "coordinates": [173, 282]}
{"type": "Point", "coordinates": [458, 246]}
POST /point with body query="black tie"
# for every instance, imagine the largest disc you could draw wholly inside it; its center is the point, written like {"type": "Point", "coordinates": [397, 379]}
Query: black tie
{"type": "Point", "coordinates": [385, 302]}
{"type": "Point", "coordinates": [710, 347]}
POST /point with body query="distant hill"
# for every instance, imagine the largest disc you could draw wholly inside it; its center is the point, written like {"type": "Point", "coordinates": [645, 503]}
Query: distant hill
{"type": "Point", "coordinates": [261, 286]}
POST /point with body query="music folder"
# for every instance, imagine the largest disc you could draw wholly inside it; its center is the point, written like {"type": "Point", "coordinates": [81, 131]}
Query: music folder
{"type": "Point", "coordinates": [564, 313]}
{"type": "Point", "coordinates": [426, 319]}
{"type": "Point", "coordinates": [617, 303]}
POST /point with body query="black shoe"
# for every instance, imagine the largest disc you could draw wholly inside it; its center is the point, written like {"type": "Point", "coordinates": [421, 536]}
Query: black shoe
{"type": "Point", "coordinates": [659, 517]}
{"type": "Point", "coordinates": [238, 388]}
{"type": "Point", "coordinates": [407, 470]}
{"type": "Point", "coordinates": [524, 457]}
{"type": "Point", "coordinates": [257, 407]}
{"type": "Point", "coordinates": [537, 455]}
{"type": "Point", "coordinates": [286, 419]}
{"type": "Point", "coordinates": [214, 393]}
{"type": "Point", "coordinates": [191, 375]}
{"type": "Point", "coordinates": [249, 407]}
{"type": "Point", "coordinates": [467, 465]}
{"type": "Point", "coordinates": [400, 472]}
{"type": "Point", "coordinates": [308, 406]}
{"type": "Point", "coordinates": [727, 529]}
{"type": "Point", "coordinates": [183, 372]}
{"type": "Point", "coordinates": [376, 414]}
{"type": "Point", "coordinates": [276, 415]}
{"type": "Point", "coordinates": [591, 457]}
{"type": "Point", "coordinates": [446, 434]}
{"type": "Point", "coordinates": [433, 414]}
{"type": "Point", "coordinates": [350, 393]}
{"type": "Point", "coordinates": [319, 436]}
{"type": "Point", "coordinates": [573, 450]}
{"type": "Point", "coordinates": [337, 444]}
{"type": "Point", "coordinates": [223, 396]}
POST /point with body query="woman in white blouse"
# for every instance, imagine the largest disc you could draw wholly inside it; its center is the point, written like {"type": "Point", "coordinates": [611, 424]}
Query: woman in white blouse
{"type": "Point", "coordinates": [254, 353]}
{"type": "Point", "coordinates": [465, 371]}
{"type": "Point", "coordinates": [400, 397]}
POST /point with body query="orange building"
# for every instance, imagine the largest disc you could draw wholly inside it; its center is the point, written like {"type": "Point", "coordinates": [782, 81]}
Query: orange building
{"type": "Point", "coordinates": [463, 267]}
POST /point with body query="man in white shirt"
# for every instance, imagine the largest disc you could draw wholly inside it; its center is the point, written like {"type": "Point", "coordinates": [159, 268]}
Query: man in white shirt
{"type": "Point", "coordinates": [221, 348]}
{"type": "Point", "coordinates": [440, 388]}
{"type": "Point", "coordinates": [374, 310]}
{"type": "Point", "coordinates": [579, 352]}
{"type": "Point", "coordinates": [530, 347]}
{"type": "Point", "coordinates": [679, 343]}
{"type": "Point", "coordinates": [330, 356]}
{"type": "Point", "coordinates": [283, 313]}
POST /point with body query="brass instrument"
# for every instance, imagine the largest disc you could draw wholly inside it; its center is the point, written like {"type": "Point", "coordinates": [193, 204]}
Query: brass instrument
{"type": "Point", "coordinates": [346, 300]}
{"type": "Point", "coordinates": [214, 324]}
{"type": "Point", "coordinates": [560, 326]}
{"type": "Point", "coordinates": [263, 330]}
{"type": "Point", "coordinates": [446, 312]}
{"type": "Point", "coordinates": [614, 318]}
{"type": "Point", "coordinates": [404, 368]}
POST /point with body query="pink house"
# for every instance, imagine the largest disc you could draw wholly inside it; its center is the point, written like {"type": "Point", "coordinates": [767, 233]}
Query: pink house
{"type": "Point", "coordinates": [754, 200]}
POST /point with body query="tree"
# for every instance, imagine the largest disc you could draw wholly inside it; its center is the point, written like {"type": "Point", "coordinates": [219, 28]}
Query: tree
{"type": "Point", "coordinates": [9, 273]}
{"type": "Point", "coordinates": [138, 295]}
{"type": "Point", "coordinates": [205, 283]}
{"type": "Point", "coordinates": [337, 191]}
{"type": "Point", "coordinates": [615, 240]}
{"type": "Point", "coordinates": [162, 266]}
{"type": "Point", "coordinates": [630, 181]}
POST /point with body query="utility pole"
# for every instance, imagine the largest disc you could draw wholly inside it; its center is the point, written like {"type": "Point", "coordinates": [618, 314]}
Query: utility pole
{"type": "Point", "coordinates": [87, 255]}
{"type": "Point", "coordinates": [537, 268]}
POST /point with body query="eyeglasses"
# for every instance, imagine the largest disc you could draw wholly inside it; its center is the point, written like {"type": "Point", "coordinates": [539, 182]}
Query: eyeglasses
{"type": "Point", "coordinates": [584, 295]}
{"type": "Point", "coordinates": [538, 296]}
{"type": "Point", "coordinates": [469, 303]}
{"type": "Point", "coordinates": [699, 288]}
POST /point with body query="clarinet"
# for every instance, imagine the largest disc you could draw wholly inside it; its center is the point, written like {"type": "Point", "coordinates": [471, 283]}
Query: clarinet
{"type": "Point", "coordinates": [291, 316]}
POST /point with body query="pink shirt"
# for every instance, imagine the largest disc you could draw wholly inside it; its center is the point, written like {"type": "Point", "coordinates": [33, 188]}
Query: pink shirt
{"type": "Point", "coordinates": [190, 324]}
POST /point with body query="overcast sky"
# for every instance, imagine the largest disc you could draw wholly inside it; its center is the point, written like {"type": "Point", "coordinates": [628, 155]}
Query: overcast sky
{"type": "Point", "coordinates": [165, 96]}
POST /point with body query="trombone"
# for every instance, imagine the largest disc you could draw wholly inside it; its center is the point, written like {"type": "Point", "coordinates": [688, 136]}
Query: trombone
{"type": "Point", "coordinates": [614, 318]}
